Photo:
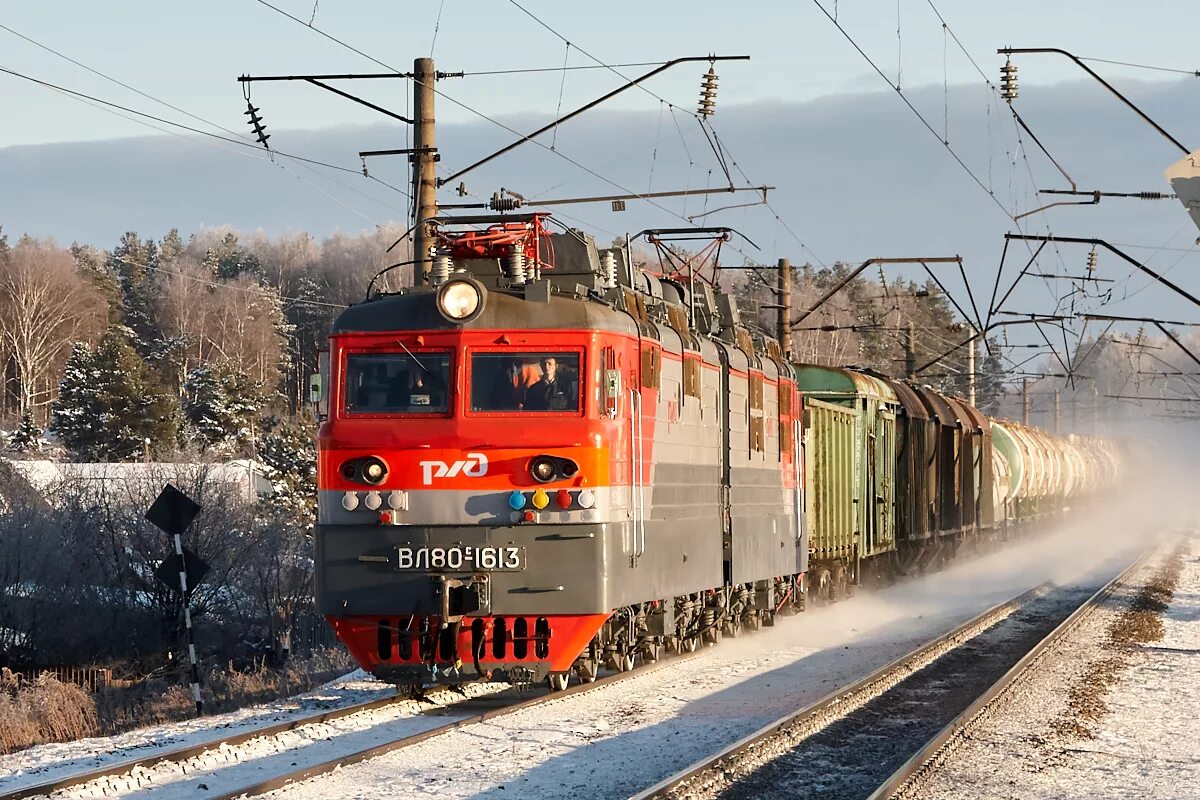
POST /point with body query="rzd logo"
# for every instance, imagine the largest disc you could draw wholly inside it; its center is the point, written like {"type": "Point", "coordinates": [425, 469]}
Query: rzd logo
{"type": "Point", "coordinates": [473, 466]}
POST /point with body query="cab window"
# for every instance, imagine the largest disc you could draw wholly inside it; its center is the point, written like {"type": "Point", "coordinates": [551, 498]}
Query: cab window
{"type": "Point", "coordinates": [398, 383]}
{"type": "Point", "coordinates": [525, 382]}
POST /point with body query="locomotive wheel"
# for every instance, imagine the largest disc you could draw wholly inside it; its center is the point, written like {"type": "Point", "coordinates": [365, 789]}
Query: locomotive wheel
{"type": "Point", "coordinates": [557, 681]}
{"type": "Point", "coordinates": [587, 671]}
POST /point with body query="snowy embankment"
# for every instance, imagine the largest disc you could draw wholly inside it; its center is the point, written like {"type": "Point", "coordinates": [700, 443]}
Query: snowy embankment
{"type": "Point", "coordinates": [1136, 739]}
{"type": "Point", "coordinates": [626, 736]}
{"type": "Point", "coordinates": [60, 759]}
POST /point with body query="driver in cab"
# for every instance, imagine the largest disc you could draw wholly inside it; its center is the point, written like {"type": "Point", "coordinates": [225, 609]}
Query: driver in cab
{"type": "Point", "coordinates": [552, 393]}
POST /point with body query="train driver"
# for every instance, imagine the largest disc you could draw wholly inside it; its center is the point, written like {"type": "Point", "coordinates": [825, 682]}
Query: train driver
{"type": "Point", "coordinates": [553, 392]}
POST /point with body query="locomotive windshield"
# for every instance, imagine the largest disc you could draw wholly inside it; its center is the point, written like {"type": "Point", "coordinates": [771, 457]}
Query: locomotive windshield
{"type": "Point", "coordinates": [525, 382]}
{"type": "Point", "coordinates": [398, 383]}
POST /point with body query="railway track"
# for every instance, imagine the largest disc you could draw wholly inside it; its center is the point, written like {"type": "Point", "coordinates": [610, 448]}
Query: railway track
{"type": "Point", "coordinates": [908, 777]}
{"type": "Point", "coordinates": [182, 754]}
{"type": "Point", "coordinates": [135, 777]}
{"type": "Point", "coordinates": [849, 743]}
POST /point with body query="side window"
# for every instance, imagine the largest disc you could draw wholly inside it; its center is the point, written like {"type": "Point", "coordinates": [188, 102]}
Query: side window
{"type": "Point", "coordinates": [691, 377]}
{"type": "Point", "coordinates": [651, 367]}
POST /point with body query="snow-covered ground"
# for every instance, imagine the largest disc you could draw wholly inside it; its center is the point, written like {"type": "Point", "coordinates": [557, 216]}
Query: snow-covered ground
{"type": "Point", "coordinates": [313, 742]}
{"type": "Point", "coordinates": [626, 736]}
{"type": "Point", "coordinates": [1145, 747]}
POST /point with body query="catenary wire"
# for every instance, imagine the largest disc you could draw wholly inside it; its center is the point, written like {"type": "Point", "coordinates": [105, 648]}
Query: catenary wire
{"type": "Point", "coordinates": [239, 142]}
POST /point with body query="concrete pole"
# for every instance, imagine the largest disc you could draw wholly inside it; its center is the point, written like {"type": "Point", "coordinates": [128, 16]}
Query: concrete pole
{"type": "Point", "coordinates": [910, 355]}
{"type": "Point", "coordinates": [1025, 400]}
{"type": "Point", "coordinates": [971, 372]}
{"type": "Point", "coordinates": [1057, 413]}
{"type": "Point", "coordinates": [424, 167]}
{"type": "Point", "coordinates": [783, 325]}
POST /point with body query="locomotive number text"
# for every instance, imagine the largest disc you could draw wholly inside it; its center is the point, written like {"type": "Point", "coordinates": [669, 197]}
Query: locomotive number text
{"type": "Point", "coordinates": [439, 559]}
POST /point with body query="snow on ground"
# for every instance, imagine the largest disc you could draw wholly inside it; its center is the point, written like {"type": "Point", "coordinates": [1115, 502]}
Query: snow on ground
{"type": "Point", "coordinates": [44, 762]}
{"type": "Point", "coordinates": [1145, 747]}
{"type": "Point", "coordinates": [626, 736]}
{"type": "Point", "coordinates": [224, 767]}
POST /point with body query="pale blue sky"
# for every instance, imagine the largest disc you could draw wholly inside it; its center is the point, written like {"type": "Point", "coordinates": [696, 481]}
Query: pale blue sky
{"type": "Point", "coordinates": [190, 53]}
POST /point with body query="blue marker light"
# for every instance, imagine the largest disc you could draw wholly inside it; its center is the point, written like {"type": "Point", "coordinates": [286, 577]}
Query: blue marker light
{"type": "Point", "coordinates": [516, 501]}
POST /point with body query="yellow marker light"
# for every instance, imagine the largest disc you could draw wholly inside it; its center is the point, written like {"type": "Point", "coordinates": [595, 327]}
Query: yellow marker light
{"type": "Point", "coordinates": [540, 499]}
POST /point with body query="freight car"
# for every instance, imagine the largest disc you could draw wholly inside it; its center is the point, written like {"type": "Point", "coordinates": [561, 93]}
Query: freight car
{"type": "Point", "coordinates": [545, 460]}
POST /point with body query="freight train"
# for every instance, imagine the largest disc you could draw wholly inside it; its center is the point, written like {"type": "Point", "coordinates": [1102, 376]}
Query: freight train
{"type": "Point", "coordinates": [546, 460]}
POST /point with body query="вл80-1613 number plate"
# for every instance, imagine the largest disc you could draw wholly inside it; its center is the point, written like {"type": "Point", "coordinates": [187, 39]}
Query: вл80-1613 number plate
{"type": "Point", "coordinates": [506, 558]}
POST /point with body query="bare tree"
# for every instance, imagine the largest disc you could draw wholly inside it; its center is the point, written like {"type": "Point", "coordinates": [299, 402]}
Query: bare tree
{"type": "Point", "coordinates": [44, 307]}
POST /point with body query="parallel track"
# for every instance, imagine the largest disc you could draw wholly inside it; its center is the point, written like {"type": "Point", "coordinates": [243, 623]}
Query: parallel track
{"type": "Point", "coordinates": [834, 706]}
{"type": "Point", "coordinates": [192, 750]}
{"type": "Point", "coordinates": [925, 759]}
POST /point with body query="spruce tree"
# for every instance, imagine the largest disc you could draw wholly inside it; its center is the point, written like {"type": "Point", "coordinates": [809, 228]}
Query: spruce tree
{"type": "Point", "coordinates": [107, 407]}
{"type": "Point", "coordinates": [133, 262]}
{"type": "Point", "coordinates": [27, 438]}
{"type": "Point", "coordinates": [221, 405]}
{"type": "Point", "coordinates": [229, 260]}
{"type": "Point", "coordinates": [288, 449]}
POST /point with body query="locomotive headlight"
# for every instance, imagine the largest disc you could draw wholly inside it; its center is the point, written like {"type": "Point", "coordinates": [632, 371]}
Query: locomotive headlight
{"type": "Point", "coordinates": [374, 470]}
{"type": "Point", "coordinates": [542, 469]}
{"type": "Point", "coordinates": [461, 299]}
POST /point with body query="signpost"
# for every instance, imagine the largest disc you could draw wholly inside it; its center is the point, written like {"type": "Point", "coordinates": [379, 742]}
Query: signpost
{"type": "Point", "coordinates": [173, 512]}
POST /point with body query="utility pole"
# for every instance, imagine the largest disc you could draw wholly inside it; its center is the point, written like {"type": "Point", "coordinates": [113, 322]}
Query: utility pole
{"type": "Point", "coordinates": [424, 167]}
{"type": "Point", "coordinates": [910, 355]}
{"type": "Point", "coordinates": [971, 372]}
{"type": "Point", "coordinates": [1057, 412]}
{"type": "Point", "coordinates": [783, 329]}
{"type": "Point", "coordinates": [1025, 400]}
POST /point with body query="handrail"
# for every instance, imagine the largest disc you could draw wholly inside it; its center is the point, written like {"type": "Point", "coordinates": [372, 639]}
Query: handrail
{"type": "Point", "coordinates": [638, 481]}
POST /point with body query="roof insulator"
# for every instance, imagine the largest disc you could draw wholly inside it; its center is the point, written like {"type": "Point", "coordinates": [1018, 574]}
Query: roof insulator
{"type": "Point", "coordinates": [1008, 81]}
{"type": "Point", "coordinates": [708, 94]}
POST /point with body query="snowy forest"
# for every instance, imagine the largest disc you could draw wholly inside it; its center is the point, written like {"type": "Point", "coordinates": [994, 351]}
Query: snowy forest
{"type": "Point", "coordinates": [185, 353]}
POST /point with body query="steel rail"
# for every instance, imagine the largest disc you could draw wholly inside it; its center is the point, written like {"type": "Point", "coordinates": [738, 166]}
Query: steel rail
{"type": "Point", "coordinates": [903, 664]}
{"type": "Point", "coordinates": [924, 758]}
{"type": "Point", "coordinates": [191, 750]}
{"type": "Point", "coordinates": [280, 781]}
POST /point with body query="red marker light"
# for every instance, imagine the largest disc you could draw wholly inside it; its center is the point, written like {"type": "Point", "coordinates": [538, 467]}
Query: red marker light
{"type": "Point", "coordinates": [386, 517]}
{"type": "Point", "coordinates": [564, 499]}
{"type": "Point", "coordinates": [529, 516]}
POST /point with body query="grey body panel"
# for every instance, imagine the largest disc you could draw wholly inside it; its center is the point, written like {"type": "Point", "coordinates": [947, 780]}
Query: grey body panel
{"type": "Point", "coordinates": [588, 562]}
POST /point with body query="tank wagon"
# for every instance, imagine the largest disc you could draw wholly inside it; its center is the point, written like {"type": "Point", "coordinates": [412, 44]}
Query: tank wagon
{"type": "Point", "coordinates": [546, 460]}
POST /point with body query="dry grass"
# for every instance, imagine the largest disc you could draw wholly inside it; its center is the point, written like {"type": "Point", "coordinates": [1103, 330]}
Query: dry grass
{"type": "Point", "coordinates": [45, 710]}
{"type": "Point", "coordinates": [1140, 623]}
{"type": "Point", "coordinates": [51, 711]}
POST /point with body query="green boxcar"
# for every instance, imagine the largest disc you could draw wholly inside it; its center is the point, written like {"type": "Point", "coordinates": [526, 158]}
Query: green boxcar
{"type": "Point", "coordinates": [850, 463]}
